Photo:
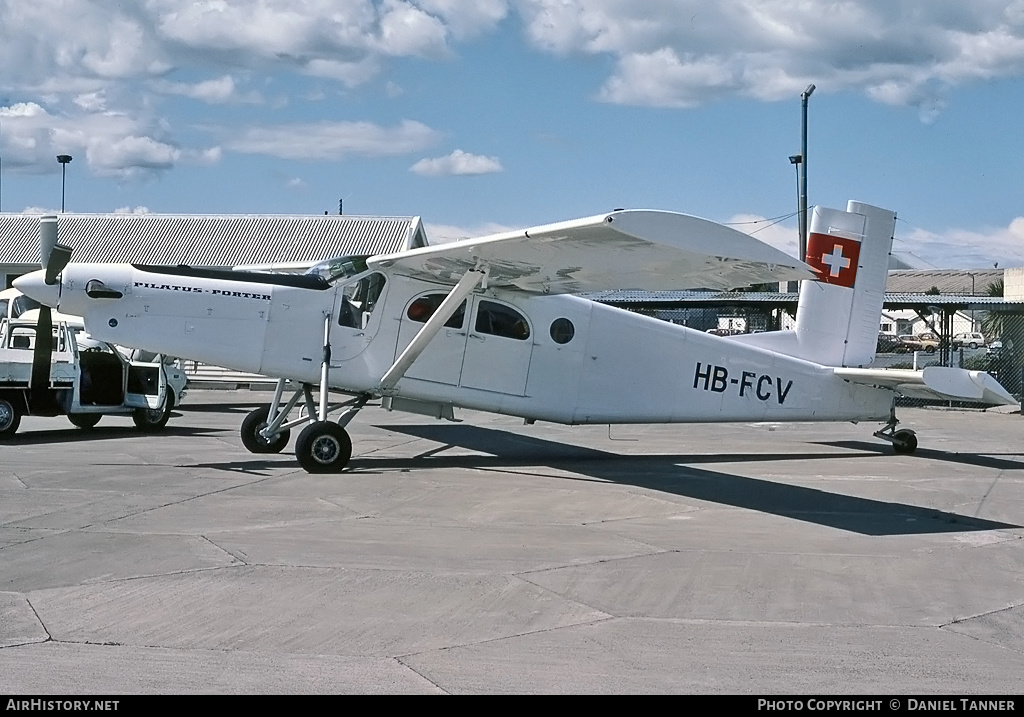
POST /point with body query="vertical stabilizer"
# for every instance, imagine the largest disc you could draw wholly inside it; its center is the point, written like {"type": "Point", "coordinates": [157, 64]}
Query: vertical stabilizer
{"type": "Point", "coordinates": [838, 313]}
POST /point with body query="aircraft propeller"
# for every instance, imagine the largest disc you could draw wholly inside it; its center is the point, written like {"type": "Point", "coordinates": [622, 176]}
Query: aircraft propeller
{"type": "Point", "coordinates": [53, 258]}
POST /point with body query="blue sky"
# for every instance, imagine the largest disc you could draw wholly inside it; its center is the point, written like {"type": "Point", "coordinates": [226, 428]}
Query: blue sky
{"type": "Point", "coordinates": [494, 114]}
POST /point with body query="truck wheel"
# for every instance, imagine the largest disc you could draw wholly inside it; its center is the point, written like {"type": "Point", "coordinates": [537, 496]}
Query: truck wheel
{"type": "Point", "coordinates": [153, 419]}
{"type": "Point", "coordinates": [323, 447]}
{"type": "Point", "coordinates": [10, 418]}
{"type": "Point", "coordinates": [85, 421]}
{"type": "Point", "coordinates": [255, 422]}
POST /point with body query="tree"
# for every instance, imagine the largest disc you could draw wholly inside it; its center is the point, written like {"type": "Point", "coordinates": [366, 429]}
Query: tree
{"type": "Point", "coordinates": [992, 324]}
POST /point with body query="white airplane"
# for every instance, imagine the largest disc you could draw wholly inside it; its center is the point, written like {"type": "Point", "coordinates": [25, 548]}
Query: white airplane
{"type": "Point", "coordinates": [491, 324]}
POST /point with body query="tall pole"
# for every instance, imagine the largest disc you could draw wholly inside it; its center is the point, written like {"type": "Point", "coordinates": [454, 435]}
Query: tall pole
{"type": "Point", "coordinates": [63, 159]}
{"type": "Point", "coordinates": [804, 96]}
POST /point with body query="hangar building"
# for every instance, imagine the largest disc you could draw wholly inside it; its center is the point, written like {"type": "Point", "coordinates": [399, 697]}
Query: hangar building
{"type": "Point", "coordinates": [212, 241]}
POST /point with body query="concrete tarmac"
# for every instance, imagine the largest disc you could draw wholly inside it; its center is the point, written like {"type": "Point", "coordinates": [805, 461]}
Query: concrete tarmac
{"type": "Point", "coordinates": [492, 557]}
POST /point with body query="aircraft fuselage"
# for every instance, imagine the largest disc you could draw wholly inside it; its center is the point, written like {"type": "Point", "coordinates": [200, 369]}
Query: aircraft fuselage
{"type": "Point", "coordinates": [556, 358]}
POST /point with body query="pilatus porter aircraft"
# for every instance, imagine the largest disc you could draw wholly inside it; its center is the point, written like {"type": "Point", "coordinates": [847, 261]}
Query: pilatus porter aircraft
{"type": "Point", "coordinates": [493, 324]}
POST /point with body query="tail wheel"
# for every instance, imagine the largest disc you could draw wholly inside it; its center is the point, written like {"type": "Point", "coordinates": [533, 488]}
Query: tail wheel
{"type": "Point", "coordinates": [148, 420]}
{"type": "Point", "coordinates": [255, 422]}
{"type": "Point", "coordinates": [323, 447]}
{"type": "Point", "coordinates": [904, 441]}
{"type": "Point", "coordinates": [10, 418]}
{"type": "Point", "coordinates": [84, 421]}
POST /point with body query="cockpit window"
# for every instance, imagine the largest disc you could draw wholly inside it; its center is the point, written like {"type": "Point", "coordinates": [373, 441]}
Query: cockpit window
{"type": "Point", "coordinates": [359, 299]}
{"type": "Point", "coordinates": [340, 268]}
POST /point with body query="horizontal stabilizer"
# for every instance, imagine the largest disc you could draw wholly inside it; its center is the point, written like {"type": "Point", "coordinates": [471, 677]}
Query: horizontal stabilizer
{"type": "Point", "coordinates": [934, 382]}
{"type": "Point", "coordinates": [629, 249]}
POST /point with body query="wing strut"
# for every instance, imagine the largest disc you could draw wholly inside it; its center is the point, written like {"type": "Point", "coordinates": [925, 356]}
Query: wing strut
{"type": "Point", "coordinates": [430, 329]}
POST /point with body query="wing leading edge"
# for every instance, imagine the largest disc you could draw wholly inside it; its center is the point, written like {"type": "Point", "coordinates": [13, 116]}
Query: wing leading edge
{"type": "Point", "coordinates": [631, 249]}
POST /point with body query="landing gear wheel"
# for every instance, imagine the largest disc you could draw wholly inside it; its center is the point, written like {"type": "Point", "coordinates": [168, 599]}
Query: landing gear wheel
{"type": "Point", "coordinates": [85, 421]}
{"type": "Point", "coordinates": [255, 422]}
{"type": "Point", "coordinates": [904, 441]}
{"type": "Point", "coordinates": [149, 420]}
{"type": "Point", "coordinates": [323, 447]}
{"type": "Point", "coordinates": [10, 418]}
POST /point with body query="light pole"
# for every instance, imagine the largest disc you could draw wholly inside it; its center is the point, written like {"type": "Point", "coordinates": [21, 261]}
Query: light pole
{"type": "Point", "coordinates": [63, 159]}
{"type": "Point", "coordinates": [804, 96]}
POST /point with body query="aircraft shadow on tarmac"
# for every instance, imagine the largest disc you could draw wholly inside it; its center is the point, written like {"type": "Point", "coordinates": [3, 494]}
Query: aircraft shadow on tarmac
{"type": "Point", "coordinates": [677, 475]}
{"type": "Point", "coordinates": [970, 459]}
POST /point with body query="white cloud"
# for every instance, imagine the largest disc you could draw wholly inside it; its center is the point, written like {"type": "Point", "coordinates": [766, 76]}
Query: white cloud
{"type": "Point", "coordinates": [444, 233]}
{"type": "Point", "coordinates": [467, 18]}
{"type": "Point", "coordinates": [687, 52]}
{"type": "Point", "coordinates": [967, 249]}
{"type": "Point", "coordinates": [662, 79]}
{"type": "Point", "coordinates": [405, 30]}
{"type": "Point", "coordinates": [219, 90]}
{"type": "Point", "coordinates": [92, 101]}
{"type": "Point", "coordinates": [321, 141]}
{"type": "Point", "coordinates": [111, 144]}
{"type": "Point", "coordinates": [458, 162]}
{"type": "Point", "coordinates": [781, 235]}
{"type": "Point", "coordinates": [950, 249]}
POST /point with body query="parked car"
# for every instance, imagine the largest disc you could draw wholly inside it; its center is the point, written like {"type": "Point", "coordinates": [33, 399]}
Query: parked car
{"type": "Point", "coordinates": [970, 339]}
{"type": "Point", "coordinates": [889, 343]}
{"type": "Point", "coordinates": [920, 342]}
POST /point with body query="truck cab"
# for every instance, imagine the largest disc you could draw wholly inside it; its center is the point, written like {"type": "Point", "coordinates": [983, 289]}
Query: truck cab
{"type": "Point", "coordinates": [85, 380]}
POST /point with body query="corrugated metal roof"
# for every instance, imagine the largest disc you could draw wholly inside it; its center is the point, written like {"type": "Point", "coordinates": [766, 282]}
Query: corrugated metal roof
{"type": "Point", "coordinates": [209, 240]}
{"type": "Point", "coordinates": [948, 281]}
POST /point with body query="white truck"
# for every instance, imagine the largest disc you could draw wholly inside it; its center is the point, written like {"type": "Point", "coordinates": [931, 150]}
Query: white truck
{"type": "Point", "coordinates": [84, 379]}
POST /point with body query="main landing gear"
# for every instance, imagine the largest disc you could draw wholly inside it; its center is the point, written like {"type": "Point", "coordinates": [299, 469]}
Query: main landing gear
{"type": "Point", "coordinates": [322, 446]}
{"type": "Point", "coordinates": [903, 440]}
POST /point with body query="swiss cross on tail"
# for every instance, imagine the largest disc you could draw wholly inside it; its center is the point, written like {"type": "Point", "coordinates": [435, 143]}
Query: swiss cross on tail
{"type": "Point", "coordinates": [834, 258]}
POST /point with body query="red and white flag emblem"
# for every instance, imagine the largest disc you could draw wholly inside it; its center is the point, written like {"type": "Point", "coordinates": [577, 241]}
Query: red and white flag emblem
{"type": "Point", "coordinates": [833, 258]}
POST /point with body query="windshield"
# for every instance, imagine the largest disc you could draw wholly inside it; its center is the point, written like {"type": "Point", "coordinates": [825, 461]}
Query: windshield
{"type": "Point", "coordinates": [21, 304]}
{"type": "Point", "coordinates": [340, 268]}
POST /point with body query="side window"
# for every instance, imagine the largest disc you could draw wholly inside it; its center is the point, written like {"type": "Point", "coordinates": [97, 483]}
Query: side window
{"type": "Point", "coordinates": [500, 320]}
{"type": "Point", "coordinates": [425, 306]}
{"type": "Point", "coordinates": [359, 299]}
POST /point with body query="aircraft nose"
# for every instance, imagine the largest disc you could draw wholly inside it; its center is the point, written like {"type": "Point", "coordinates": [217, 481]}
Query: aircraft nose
{"type": "Point", "coordinates": [35, 287]}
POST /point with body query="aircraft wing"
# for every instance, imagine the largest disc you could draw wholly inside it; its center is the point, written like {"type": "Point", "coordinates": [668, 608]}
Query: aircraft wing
{"type": "Point", "coordinates": [629, 249]}
{"type": "Point", "coordinates": [934, 382]}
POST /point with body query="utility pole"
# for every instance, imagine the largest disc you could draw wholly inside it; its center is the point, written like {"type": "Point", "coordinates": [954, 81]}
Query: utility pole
{"type": "Point", "coordinates": [802, 167]}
